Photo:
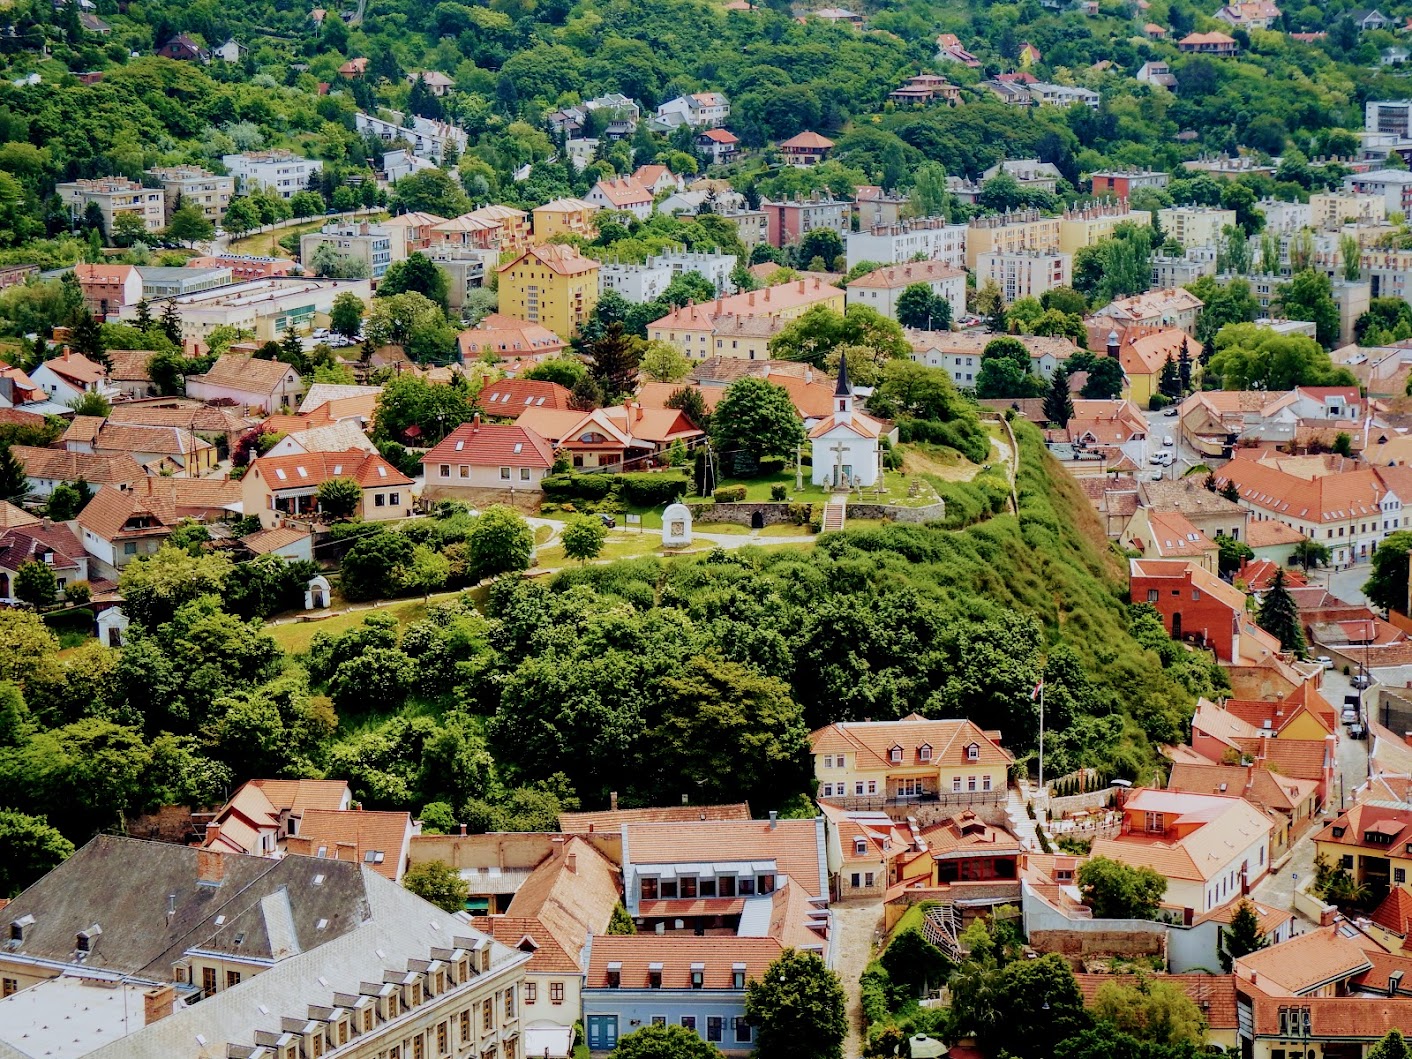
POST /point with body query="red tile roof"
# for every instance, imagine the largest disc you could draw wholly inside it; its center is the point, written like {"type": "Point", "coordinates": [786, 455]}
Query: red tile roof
{"type": "Point", "coordinates": [612, 820]}
{"type": "Point", "coordinates": [1395, 911]}
{"type": "Point", "coordinates": [509, 397]}
{"type": "Point", "coordinates": [793, 845]}
{"type": "Point", "coordinates": [1303, 963]}
{"type": "Point", "coordinates": [873, 742]}
{"type": "Point", "coordinates": [807, 141]}
{"type": "Point", "coordinates": [307, 469]}
{"type": "Point", "coordinates": [634, 955]}
{"type": "Point", "coordinates": [492, 445]}
{"type": "Point", "coordinates": [380, 839]}
{"type": "Point", "coordinates": [564, 260]}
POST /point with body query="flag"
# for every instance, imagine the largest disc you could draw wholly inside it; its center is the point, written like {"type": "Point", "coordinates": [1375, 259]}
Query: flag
{"type": "Point", "coordinates": [1037, 689]}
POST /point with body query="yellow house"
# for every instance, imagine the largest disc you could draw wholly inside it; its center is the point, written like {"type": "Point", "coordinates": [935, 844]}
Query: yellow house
{"type": "Point", "coordinates": [734, 327]}
{"type": "Point", "coordinates": [564, 217]}
{"type": "Point", "coordinates": [551, 285]}
{"type": "Point", "coordinates": [1371, 842]}
{"type": "Point", "coordinates": [1010, 233]}
{"type": "Point", "coordinates": [883, 764]}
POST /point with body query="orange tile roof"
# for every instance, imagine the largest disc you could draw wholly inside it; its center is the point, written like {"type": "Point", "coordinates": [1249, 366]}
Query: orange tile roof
{"type": "Point", "coordinates": [768, 301]}
{"type": "Point", "coordinates": [624, 192]}
{"type": "Point", "coordinates": [614, 819]}
{"type": "Point", "coordinates": [1350, 829]}
{"type": "Point", "coordinates": [1304, 963]}
{"type": "Point", "coordinates": [794, 846]}
{"type": "Point", "coordinates": [563, 260]}
{"type": "Point", "coordinates": [1353, 493]}
{"type": "Point", "coordinates": [807, 141]}
{"type": "Point", "coordinates": [873, 742]}
{"type": "Point", "coordinates": [1217, 828]}
{"type": "Point", "coordinates": [1269, 917]}
{"type": "Point", "coordinates": [571, 895]}
{"type": "Point", "coordinates": [249, 374]}
{"type": "Point", "coordinates": [370, 832]}
{"type": "Point", "coordinates": [492, 445]}
{"type": "Point", "coordinates": [307, 469]}
{"type": "Point", "coordinates": [509, 397]}
{"type": "Point", "coordinates": [1260, 786]}
{"type": "Point", "coordinates": [1214, 994]}
{"type": "Point", "coordinates": [894, 276]}
{"type": "Point", "coordinates": [508, 336]}
{"type": "Point", "coordinates": [1337, 1018]}
{"type": "Point", "coordinates": [130, 364]}
{"type": "Point", "coordinates": [1394, 912]}
{"type": "Point", "coordinates": [1175, 537]}
{"type": "Point", "coordinates": [860, 424]}
{"type": "Point", "coordinates": [1207, 38]}
{"type": "Point", "coordinates": [59, 465]}
{"type": "Point", "coordinates": [968, 833]}
{"type": "Point", "coordinates": [12, 517]}
{"type": "Point", "coordinates": [717, 956]}
{"type": "Point", "coordinates": [528, 934]}
{"type": "Point", "coordinates": [76, 368]}
{"type": "Point", "coordinates": [263, 542]}
{"type": "Point", "coordinates": [304, 794]}
{"type": "Point", "coordinates": [1300, 758]}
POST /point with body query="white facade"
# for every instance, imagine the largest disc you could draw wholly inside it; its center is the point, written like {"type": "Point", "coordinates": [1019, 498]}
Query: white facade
{"type": "Point", "coordinates": [845, 445]}
{"type": "Point", "coordinates": [64, 391]}
{"type": "Point", "coordinates": [962, 367]}
{"type": "Point", "coordinates": [884, 299]}
{"type": "Point", "coordinates": [1025, 274]}
{"type": "Point", "coordinates": [265, 307]}
{"type": "Point", "coordinates": [715, 267]}
{"type": "Point", "coordinates": [282, 172]}
{"type": "Point", "coordinates": [1195, 225]}
{"type": "Point", "coordinates": [893, 244]}
{"type": "Point", "coordinates": [369, 243]}
{"type": "Point", "coordinates": [427, 137]}
{"type": "Point", "coordinates": [637, 283]}
{"type": "Point", "coordinates": [402, 162]}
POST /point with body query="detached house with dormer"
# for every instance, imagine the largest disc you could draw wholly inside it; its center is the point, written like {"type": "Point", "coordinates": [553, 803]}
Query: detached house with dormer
{"type": "Point", "coordinates": [897, 765]}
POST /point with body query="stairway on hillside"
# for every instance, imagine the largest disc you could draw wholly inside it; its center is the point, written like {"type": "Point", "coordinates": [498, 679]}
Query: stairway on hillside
{"type": "Point", "coordinates": [1021, 826]}
{"type": "Point", "coordinates": [835, 515]}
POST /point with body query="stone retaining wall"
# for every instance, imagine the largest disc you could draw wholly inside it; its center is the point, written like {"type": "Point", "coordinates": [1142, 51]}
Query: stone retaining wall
{"type": "Point", "coordinates": [898, 513]}
{"type": "Point", "coordinates": [743, 513]}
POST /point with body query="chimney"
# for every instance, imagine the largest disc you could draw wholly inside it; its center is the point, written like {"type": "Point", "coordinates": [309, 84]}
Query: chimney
{"type": "Point", "coordinates": [302, 845]}
{"type": "Point", "coordinates": [1250, 775]}
{"type": "Point", "coordinates": [637, 411]}
{"type": "Point", "coordinates": [210, 867]}
{"type": "Point", "coordinates": [157, 1004]}
{"type": "Point", "coordinates": [571, 861]}
{"type": "Point", "coordinates": [348, 851]}
{"type": "Point", "coordinates": [213, 832]}
{"type": "Point", "coordinates": [774, 819]}
{"type": "Point", "coordinates": [801, 286]}
{"type": "Point", "coordinates": [475, 423]}
{"type": "Point", "coordinates": [556, 847]}
{"type": "Point", "coordinates": [613, 801]}
{"type": "Point", "coordinates": [463, 830]}
{"type": "Point", "coordinates": [1113, 344]}
{"type": "Point", "coordinates": [751, 298]}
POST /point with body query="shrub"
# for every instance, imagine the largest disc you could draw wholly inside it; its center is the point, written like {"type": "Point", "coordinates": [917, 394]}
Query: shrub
{"type": "Point", "coordinates": [652, 490]}
{"type": "Point", "coordinates": [799, 513]}
{"type": "Point", "coordinates": [577, 486]}
{"type": "Point", "coordinates": [770, 465]}
{"type": "Point", "coordinates": [778, 491]}
{"type": "Point", "coordinates": [729, 494]}
{"type": "Point", "coordinates": [876, 986]}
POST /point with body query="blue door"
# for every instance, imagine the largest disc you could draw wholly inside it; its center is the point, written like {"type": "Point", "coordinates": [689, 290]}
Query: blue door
{"type": "Point", "coordinates": [602, 1031]}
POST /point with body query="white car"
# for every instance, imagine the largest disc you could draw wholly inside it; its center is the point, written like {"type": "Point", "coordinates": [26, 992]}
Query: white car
{"type": "Point", "coordinates": [1166, 442]}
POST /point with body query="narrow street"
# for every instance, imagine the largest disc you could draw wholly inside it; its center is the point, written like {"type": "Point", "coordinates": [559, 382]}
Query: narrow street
{"type": "Point", "coordinates": [856, 925]}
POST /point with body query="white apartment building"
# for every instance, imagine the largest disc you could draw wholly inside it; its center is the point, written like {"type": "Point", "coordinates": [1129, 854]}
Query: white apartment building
{"type": "Point", "coordinates": [1332, 209]}
{"type": "Point", "coordinates": [1049, 95]}
{"type": "Point", "coordinates": [369, 243]}
{"type": "Point", "coordinates": [1394, 185]}
{"type": "Point", "coordinates": [1389, 116]}
{"type": "Point", "coordinates": [635, 283]}
{"type": "Point", "coordinates": [892, 244]}
{"type": "Point", "coordinates": [1285, 217]}
{"type": "Point", "coordinates": [197, 187]}
{"type": "Point", "coordinates": [1025, 273]}
{"type": "Point", "coordinates": [881, 288]}
{"type": "Point", "coordinates": [280, 171]}
{"type": "Point", "coordinates": [115, 196]}
{"type": "Point", "coordinates": [1177, 271]}
{"type": "Point", "coordinates": [427, 137]}
{"type": "Point", "coordinates": [1195, 225]}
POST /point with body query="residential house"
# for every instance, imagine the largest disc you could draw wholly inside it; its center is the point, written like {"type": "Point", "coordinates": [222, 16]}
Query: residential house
{"type": "Point", "coordinates": [1273, 541]}
{"type": "Point", "coordinates": [1372, 841]}
{"type": "Point", "coordinates": [1152, 31]}
{"type": "Point", "coordinates": [247, 382]}
{"type": "Point", "coordinates": [624, 195]}
{"type": "Point", "coordinates": [881, 288]}
{"type": "Point", "coordinates": [693, 328]}
{"type": "Point", "coordinates": [1394, 185]}
{"type": "Point", "coordinates": [477, 456]}
{"type": "Point", "coordinates": [564, 217]}
{"type": "Point", "coordinates": [46, 467]}
{"type": "Point", "coordinates": [551, 285]}
{"type": "Point", "coordinates": [290, 544]}
{"type": "Point", "coordinates": [864, 851]}
{"type": "Point", "coordinates": [1011, 92]}
{"type": "Point", "coordinates": [277, 488]}
{"type": "Point", "coordinates": [377, 840]}
{"type": "Point", "coordinates": [220, 426]}
{"type": "Point", "coordinates": [1210, 847]}
{"type": "Point", "coordinates": [429, 138]}
{"type": "Point", "coordinates": [1214, 996]}
{"type": "Point", "coordinates": [115, 197]}
{"type": "Point", "coordinates": [368, 244]}
{"type": "Point", "coordinates": [899, 766]}
{"type": "Point", "coordinates": [354, 68]}
{"type": "Point", "coordinates": [1349, 509]}
{"type": "Point", "coordinates": [52, 544]}
{"type": "Point", "coordinates": [1319, 963]}
{"type": "Point", "coordinates": [950, 49]}
{"type": "Point", "coordinates": [143, 511]}
{"type": "Point", "coordinates": [1249, 14]}
{"type": "Point", "coordinates": [1143, 352]}
{"type": "Point", "coordinates": [874, 207]}
{"type": "Point", "coordinates": [658, 178]}
{"type": "Point", "coordinates": [184, 48]}
{"type": "Point", "coordinates": [839, 16]}
{"type": "Point", "coordinates": [1051, 95]}
{"type": "Point", "coordinates": [509, 339]}
{"type": "Point", "coordinates": [925, 89]}
{"type": "Point", "coordinates": [107, 288]}
{"type": "Point", "coordinates": [806, 149]}
{"type": "Point", "coordinates": [279, 170]}
{"type": "Point", "coordinates": [66, 378]}
{"type": "Point", "coordinates": [752, 226]}
{"type": "Point", "coordinates": [699, 110]}
{"type": "Point", "coordinates": [436, 82]}
{"type": "Point", "coordinates": [262, 813]}
{"type": "Point", "coordinates": [718, 145]}
{"type": "Point", "coordinates": [626, 437]}
{"type": "Point", "coordinates": [507, 398]}
{"type": "Point", "coordinates": [959, 352]}
{"type": "Point", "coordinates": [290, 958]}
{"type": "Point", "coordinates": [1208, 511]}
{"type": "Point", "coordinates": [1366, 19]}
{"type": "Point", "coordinates": [157, 449]}
{"type": "Point", "coordinates": [1156, 308]}
{"type": "Point", "coordinates": [966, 849]}
{"type": "Point", "coordinates": [232, 51]}
{"type": "Point", "coordinates": [1292, 804]}
{"type": "Point", "coordinates": [1215, 43]}
{"type": "Point", "coordinates": [1169, 535]}
{"type": "Point", "coordinates": [790, 220]}
{"type": "Point", "coordinates": [1086, 225]}
{"type": "Point", "coordinates": [411, 233]}
{"type": "Point", "coordinates": [1156, 72]}
{"type": "Point", "coordinates": [331, 437]}
{"type": "Point", "coordinates": [245, 267]}
{"type": "Point", "coordinates": [197, 187]}
{"type": "Point", "coordinates": [1025, 273]}
{"type": "Point", "coordinates": [1198, 605]}
{"type": "Point", "coordinates": [566, 899]}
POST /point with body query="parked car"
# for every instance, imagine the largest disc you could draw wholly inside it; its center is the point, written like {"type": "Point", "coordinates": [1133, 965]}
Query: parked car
{"type": "Point", "coordinates": [607, 520]}
{"type": "Point", "coordinates": [1350, 716]}
{"type": "Point", "coordinates": [1360, 681]}
{"type": "Point", "coordinates": [1357, 731]}
{"type": "Point", "coordinates": [1167, 442]}
{"type": "Point", "coordinates": [1325, 661]}
{"type": "Point", "coordinates": [1170, 411]}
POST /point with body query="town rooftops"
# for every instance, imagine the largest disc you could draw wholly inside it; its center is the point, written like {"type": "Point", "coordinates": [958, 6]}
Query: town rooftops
{"type": "Point", "coordinates": [61, 466]}
{"type": "Point", "coordinates": [267, 541]}
{"type": "Point", "coordinates": [623, 193]}
{"type": "Point", "coordinates": [249, 374]}
{"type": "Point", "coordinates": [21, 544]}
{"type": "Point", "coordinates": [571, 895]}
{"type": "Point", "coordinates": [1353, 493]}
{"type": "Point", "coordinates": [946, 743]}
{"type": "Point", "coordinates": [891, 277]}
{"type": "Point", "coordinates": [1394, 912]}
{"type": "Point", "coordinates": [769, 301]}
{"type": "Point", "coordinates": [76, 368]}
{"type": "Point", "coordinates": [1303, 964]}
{"type": "Point", "coordinates": [1267, 533]}
{"type": "Point", "coordinates": [1203, 833]}
{"type": "Point", "coordinates": [1258, 785]}
{"type": "Point", "coordinates": [566, 205]}
{"type": "Point", "coordinates": [628, 961]}
{"type": "Point", "coordinates": [1175, 537]}
{"type": "Point", "coordinates": [1214, 994]}
{"type": "Point", "coordinates": [311, 469]}
{"type": "Point", "coordinates": [13, 517]}
{"type": "Point", "coordinates": [614, 819]}
{"type": "Point", "coordinates": [1372, 827]}
{"type": "Point", "coordinates": [508, 337]}
{"type": "Point", "coordinates": [509, 397]}
{"type": "Point", "coordinates": [1182, 569]}
{"type": "Point", "coordinates": [492, 445]}
{"type": "Point", "coordinates": [378, 839]}
{"type": "Point", "coordinates": [796, 846]}
{"type": "Point", "coordinates": [562, 260]}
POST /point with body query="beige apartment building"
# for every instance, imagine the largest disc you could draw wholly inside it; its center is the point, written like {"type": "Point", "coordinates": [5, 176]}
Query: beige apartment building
{"type": "Point", "coordinates": [1195, 225]}
{"type": "Point", "coordinates": [1335, 208]}
{"type": "Point", "coordinates": [1010, 233]}
{"type": "Point", "coordinates": [197, 187]}
{"type": "Point", "coordinates": [1084, 227]}
{"type": "Point", "coordinates": [115, 196]}
{"type": "Point", "coordinates": [1026, 274]}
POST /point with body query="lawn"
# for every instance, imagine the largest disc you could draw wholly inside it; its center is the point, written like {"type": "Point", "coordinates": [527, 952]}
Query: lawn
{"type": "Point", "coordinates": [266, 244]}
{"type": "Point", "coordinates": [294, 637]}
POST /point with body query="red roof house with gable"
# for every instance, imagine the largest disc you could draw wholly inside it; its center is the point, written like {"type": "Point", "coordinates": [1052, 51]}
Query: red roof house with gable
{"type": "Point", "coordinates": [477, 456]}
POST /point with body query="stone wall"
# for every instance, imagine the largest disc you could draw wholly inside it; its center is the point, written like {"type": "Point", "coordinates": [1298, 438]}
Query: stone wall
{"type": "Point", "coordinates": [898, 513]}
{"type": "Point", "coordinates": [1079, 945]}
{"type": "Point", "coordinates": [743, 513]}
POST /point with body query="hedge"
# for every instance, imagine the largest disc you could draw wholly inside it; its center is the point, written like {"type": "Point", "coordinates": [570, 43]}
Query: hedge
{"type": "Point", "coordinates": [652, 490]}
{"type": "Point", "coordinates": [729, 494]}
{"type": "Point", "coordinates": [577, 486]}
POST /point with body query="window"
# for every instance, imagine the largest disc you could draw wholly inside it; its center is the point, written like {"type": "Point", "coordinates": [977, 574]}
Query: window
{"type": "Point", "coordinates": [208, 980]}
{"type": "Point", "coordinates": [445, 470]}
{"type": "Point", "coordinates": [379, 500]}
{"type": "Point", "coordinates": [556, 992]}
{"type": "Point", "coordinates": [973, 752]}
{"type": "Point", "coordinates": [738, 978]}
{"type": "Point", "coordinates": [708, 887]}
{"type": "Point", "coordinates": [956, 784]}
{"type": "Point", "coordinates": [465, 1027]}
{"type": "Point", "coordinates": [1152, 595]}
{"type": "Point", "coordinates": [649, 889]}
{"type": "Point", "coordinates": [828, 761]}
{"type": "Point", "coordinates": [130, 548]}
{"type": "Point", "coordinates": [856, 880]}
{"type": "Point", "coordinates": [715, 1024]}
{"type": "Point", "coordinates": [727, 885]}
{"type": "Point", "coordinates": [669, 888]}
{"type": "Point", "coordinates": [868, 879]}
{"type": "Point", "coordinates": [654, 979]}
{"type": "Point", "coordinates": [742, 1031]}
{"type": "Point", "coordinates": [828, 790]}
{"type": "Point", "coordinates": [767, 884]}
{"type": "Point", "coordinates": [747, 886]}
{"type": "Point", "coordinates": [860, 847]}
{"type": "Point", "coordinates": [1346, 861]}
{"type": "Point", "coordinates": [531, 992]}
{"type": "Point", "coordinates": [659, 1020]}
{"type": "Point", "coordinates": [418, 1047]}
{"type": "Point", "coordinates": [504, 474]}
{"type": "Point", "coordinates": [985, 782]}
{"type": "Point", "coordinates": [465, 471]}
{"type": "Point", "coordinates": [524, 474]}
{"type": "Point", "coordinates": [688, 1022]}
{"type": "Point", "coordinates": [1195, 595]}
{"type": "Point", "coordinates": [232, 978]}
{"type": "Point", "coordinates": [1399, 875]}
{"type": "Point", "coordinates": [895, 755]}
{"type": "Point", "coordinates": [368, 1019]}
{"type": "Point", "coordinates": [858, 788]}
{"type": "Point", "coordinates": [687, 886]}
{"type": "Point", "coordinates": [394, 499]}
{"type": "Point", "coordinates": [441, 1040]}
{"type": "Point", "coordinates": [510, 1003]}
{"type": "Point", "coordinates": [924, 752]}
{"type": "Point", "coordinates": [9, 986]}
{"type": "Point", "coordinates": [970, 783]}
{"type": "Point", "coordinates": [487, 1016]}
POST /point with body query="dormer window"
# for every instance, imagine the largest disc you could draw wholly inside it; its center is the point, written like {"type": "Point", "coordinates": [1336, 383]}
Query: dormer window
{"type": "Point", "coordinates": [1339, 831]}
{"type": "Point", "coordinates": [973, 752]}
{"type": "Point", "coordinates": [860, 846]}
{"type": "Point", "coordinates": [924, 752]}
{"type": "Point", "coordinates": [895, 755]}
{"type": "Point", "coordinates": [654, 976]}
{"type": "Point", "coordinates": [738, 976]}
{"type": "Point", "coordinates": [615, 975]}
{"type": "Point", "coordinates": [698, 976]}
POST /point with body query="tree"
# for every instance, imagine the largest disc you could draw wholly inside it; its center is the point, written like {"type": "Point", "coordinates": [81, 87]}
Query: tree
{"type": "Point", "coordinates": [1005, 371]}
{"type": "Point", "coordinates": [918, 307]}
{"type": "Point", "coordinates": [128, 228]}
{"type": "Point", "coordinates": [1150, 1010]}
{"type": "Point", "coordinates": [1393, 1046]}
{"type": "Point", "coordinates": [822, 243]}
{"type": "Point", "coordinates": [501, 542]}
{"type": "Point", "coordinates": [688, 399]}
{"type": "Point", "coordinates": [36, 584]}
{"type": "Point", "coordinates": [67, 500]}
{"type": "Point", "coordinates": [339, 498]}
{"type": "Point", "coordinates": [1169, 382]}
{"type": "Point", "coordinates": [1279, 615]}
{"type": "Point", "coordinates": [798, 1008]}
{"type": "Point", "coordinates": [409, 400]}
{"type": "Point", "coordinates": [418, 273]}
{"type": "Point", "coordinates": [753, 420]}
{"type": "Point", "coordinates": [188, 225]}
{"type": "Point", "coordinates": [14, 483]}
{"type": "Point", "coordinates": [1242, 937]}
{"type": "Point", "coordinates": [621, 923]}
{"type": "Point", "coordinates": [155, 586]}
{"type": "Point", "coordinates": [1020, 1007]}
{"type": "Point", "coordinates": [1058, 402]}
{"type": "Point", "coordinates": [820, 335]}
{"type": "Point", "coordinates": [32, 850]}
{"type": "Point", "coordinates": [346, 315]}
{"type": "Point", "coordinates": [565, 370]}
{"type": "Point", "coordinates": [663, 362]}
{"type": "Point", "coordinates": [92, 403]}
{"type": "Point", "coordinates": [914, 962]}
{"type": "Point", "coordinates": [664, 1042]}
{"type": "Point", "coordinates": [439, 883]}
{"type": "Point", "coordinates": [615, 357]}
{"type": "Point", "coordinates": [584, 537]}
{"type": "Point", "coordinates": [240, 216]}
{"type": "Point", "coordinates": [171, 323]}
{"type": "Point", "coordinates": [1310, 554]}
{"type": "Point", "coordinates": [1184, 368]}
{"type": "Point", "coordinates": [929, 194]}
{"type": "Point", "coordinates": [1114, 890]}
{"type": "Point", "coordinates": [1231, 554]}
{"type": "Point", "coordinates": [429, 191]}
{"type": "Point", "coordinates": [1309, 296]}
{"type": "Point", "coordinates": [87, 338]}
{"type": "Point", "coordinates": [1105, 380]}
{"type": "Point", "coordinates": [1256, 358]}
{"type": "Point", "coordinates": [1387, 588]}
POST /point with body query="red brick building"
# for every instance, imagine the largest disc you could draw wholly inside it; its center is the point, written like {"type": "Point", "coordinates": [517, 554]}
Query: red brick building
{"type": "Point", "coordinates": [1198, 605]}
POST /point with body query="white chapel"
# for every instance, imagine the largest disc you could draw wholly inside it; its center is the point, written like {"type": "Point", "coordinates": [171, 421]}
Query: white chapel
{"type": "Point", "coordinates": [845, 443]}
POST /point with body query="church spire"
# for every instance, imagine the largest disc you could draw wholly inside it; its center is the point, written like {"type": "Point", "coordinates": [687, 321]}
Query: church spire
{"type": "Point", "coordinates": [843, 393]}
